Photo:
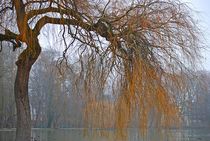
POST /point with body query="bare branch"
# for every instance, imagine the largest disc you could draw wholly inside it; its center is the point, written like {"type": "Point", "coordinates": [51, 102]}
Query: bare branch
{"type": "Point", "coordinates": [6, 8]}
{"type": "Point", "coordinates": [8, 36]}
{"type": "Point", "coordinates": [49, 20]}
{"type": "Point", "coordinates": [70, 12]}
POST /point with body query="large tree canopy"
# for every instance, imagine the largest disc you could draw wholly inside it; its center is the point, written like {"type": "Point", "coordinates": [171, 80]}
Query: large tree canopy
{"type": "Point", "coordinates": [139, 46]}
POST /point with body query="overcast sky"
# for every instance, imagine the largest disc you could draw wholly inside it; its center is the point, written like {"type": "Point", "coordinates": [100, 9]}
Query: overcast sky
{"type": "Point", "coordinates": [202, 8]}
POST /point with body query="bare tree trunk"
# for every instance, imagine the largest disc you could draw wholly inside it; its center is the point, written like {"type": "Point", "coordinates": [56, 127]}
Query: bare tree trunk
{"type": "Point", "coordinates": [24, 64]}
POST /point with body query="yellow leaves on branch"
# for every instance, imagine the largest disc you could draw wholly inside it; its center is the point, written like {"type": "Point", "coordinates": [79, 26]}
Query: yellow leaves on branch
{"type": "Point", "coordinates": [99, 114]}
{"type": "Point", "coordinates": [142, 97]}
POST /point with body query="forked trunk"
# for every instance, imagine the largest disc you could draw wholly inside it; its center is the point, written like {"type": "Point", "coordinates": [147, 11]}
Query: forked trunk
{"type": "Point", "coordinates": [24, 64]}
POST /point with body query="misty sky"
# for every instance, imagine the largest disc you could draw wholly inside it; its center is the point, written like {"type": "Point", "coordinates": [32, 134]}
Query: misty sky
{"type": "Point", "coordinates": [202, 8]}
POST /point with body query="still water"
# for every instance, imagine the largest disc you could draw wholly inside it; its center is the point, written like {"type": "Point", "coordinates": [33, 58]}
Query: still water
{"type": "Point", "coordinates": [195, 134]}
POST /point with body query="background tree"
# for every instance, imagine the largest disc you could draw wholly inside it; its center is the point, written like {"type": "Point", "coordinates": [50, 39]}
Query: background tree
{"type": "Point", "coordinates": [7, 77]}
{"type": "Point", "coordinates": [141, 46]}
{"type": "Point", "coordinates": [55, 106]}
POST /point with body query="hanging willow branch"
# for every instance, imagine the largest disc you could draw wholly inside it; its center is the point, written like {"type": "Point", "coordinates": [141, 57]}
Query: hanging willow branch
{"type": "Point", "coordinates": [139, 47]}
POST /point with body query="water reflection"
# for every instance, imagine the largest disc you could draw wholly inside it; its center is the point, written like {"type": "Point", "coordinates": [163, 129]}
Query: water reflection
{"type": "Point", "coordinates": [198, 134]}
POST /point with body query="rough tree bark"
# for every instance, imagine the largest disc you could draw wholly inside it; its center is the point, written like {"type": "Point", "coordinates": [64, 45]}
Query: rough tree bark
{"type": "Point", "coordinates": [25, 61]}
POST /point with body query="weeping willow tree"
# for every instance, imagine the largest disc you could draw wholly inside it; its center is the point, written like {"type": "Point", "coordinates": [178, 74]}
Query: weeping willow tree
{"type": "Point", "coordinates": [139, 47]}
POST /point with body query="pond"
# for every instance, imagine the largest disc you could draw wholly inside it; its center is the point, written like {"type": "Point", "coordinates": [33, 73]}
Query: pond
{"type": "Point", "coordinates": [69, 134]}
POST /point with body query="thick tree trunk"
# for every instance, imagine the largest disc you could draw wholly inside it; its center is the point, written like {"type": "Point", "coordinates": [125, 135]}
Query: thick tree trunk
{"type": "Point", "coordinates": [23, 132]}
{"type": "Point", "coordinates": [24, 64]}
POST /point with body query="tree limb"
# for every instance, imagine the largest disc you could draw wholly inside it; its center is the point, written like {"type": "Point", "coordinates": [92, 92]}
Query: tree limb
{"type": "Point", "coordinates": [22, 21]}
{"type": "Point", "coordinates": [70, 12]}
{"type": "Point", "coordinates": [8, 36]}
{"type": "Point", "coordinates": [45, 20]}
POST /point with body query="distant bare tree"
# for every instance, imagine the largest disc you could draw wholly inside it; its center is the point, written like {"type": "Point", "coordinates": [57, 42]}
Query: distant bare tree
{"type": "Point", "coordinates": [7, 77]}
